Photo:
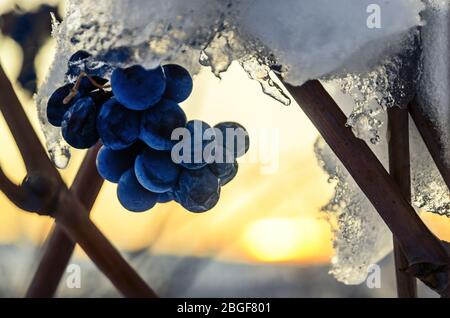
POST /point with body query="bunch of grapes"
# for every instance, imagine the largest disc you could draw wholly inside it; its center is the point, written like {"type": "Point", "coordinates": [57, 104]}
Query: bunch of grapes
{"type": "Point", "coordinates": [135, 117]}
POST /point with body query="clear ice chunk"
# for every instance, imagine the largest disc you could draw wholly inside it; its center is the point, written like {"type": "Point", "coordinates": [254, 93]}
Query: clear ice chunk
{"type": "Point", "coordinates": [393, 83]}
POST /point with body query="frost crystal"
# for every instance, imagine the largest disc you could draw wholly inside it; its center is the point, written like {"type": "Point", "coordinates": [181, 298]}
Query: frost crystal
{"type": "Point", "coordinates": [429, 191]}
{"type": "Point", "coordinates": [392, 83]}
{"type": "Point", "coordinates": [360, 236]}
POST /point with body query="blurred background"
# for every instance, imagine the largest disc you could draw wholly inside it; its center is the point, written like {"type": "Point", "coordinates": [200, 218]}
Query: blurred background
{"type": "Point", "coordinates": [267, 237]}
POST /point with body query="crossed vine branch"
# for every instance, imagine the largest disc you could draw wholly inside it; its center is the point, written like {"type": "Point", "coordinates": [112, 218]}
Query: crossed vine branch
{"type": "Point", "coordinates": [44, 192]}
{"type": "Point", "coordinates": [425, 256]}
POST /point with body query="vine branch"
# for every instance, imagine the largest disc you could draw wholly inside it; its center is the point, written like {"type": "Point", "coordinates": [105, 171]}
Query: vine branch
{"type": "Point", "coordinates": [400, 170]}
{"type": "Point", "coordinates": [33, 154]}
{"type": "Point", "coordinates": [15, 193]}
{"type": "Point", "coordinates": [61, 204]}
{"type": "Point", "coordinates": [59, 247]}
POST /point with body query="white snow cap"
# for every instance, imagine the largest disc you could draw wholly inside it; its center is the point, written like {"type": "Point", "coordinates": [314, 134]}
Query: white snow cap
{"type": "Point", "coordinates": [310, 38]}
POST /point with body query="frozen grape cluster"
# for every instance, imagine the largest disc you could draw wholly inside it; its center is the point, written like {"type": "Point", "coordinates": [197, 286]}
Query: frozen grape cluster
{"type": "Point", "coordinates": [149, 147]}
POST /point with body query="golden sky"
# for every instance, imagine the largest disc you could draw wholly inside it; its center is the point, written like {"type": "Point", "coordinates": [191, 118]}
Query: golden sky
{"type": "Point", "coordinates": [270, 212]}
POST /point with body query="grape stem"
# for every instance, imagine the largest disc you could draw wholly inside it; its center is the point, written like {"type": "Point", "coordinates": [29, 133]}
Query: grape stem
{"type": "Point", "coordinates": [75, 88]}
{"type": "Point", "coordinates": [427, 257]}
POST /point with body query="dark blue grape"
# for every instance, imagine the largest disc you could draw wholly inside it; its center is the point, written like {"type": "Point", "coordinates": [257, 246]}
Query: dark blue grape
{"type": "Point", "coordinates": [86, 86]}
{"type": "Point", "coordinates": [79, 124]}
{"type": "Point", "coordinates": [111, 164]}
{"type": "Point", "coordinates": [239, 142]}
{"type": "Point", "coordinates": [158, 123]}
{"type": "Point", "coordinates": [221, 154]}
{"type": "Point", "coordinates": [179, 83]}
{"type": "Point", "coordinates": [82, 61]}
{"type": "Point", "coordinates": [194, 153]}
{"type": "Point", "coordinates": [166, 197]}
{"type": "Point", "coordinates": [137, 88]}
{"type": "Point", "coordinates": [224, 171]}
{"type": "Point", "coordinates": [117, 126]}
{"type": "Point", "coordinates": [79, 56]}
{"type": "Point", "coordinates": [198, 190]}
{"type": "Point", "coordinates": [156, 171]}
{"type": "Point", "coordinates": [132, 195]}
{"type": "Point", "coordinates": [56, 107]}
{"type": "Point", "coordinates": [100, 96]}
{"type": "Point", "coordinates": [97, 68]}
